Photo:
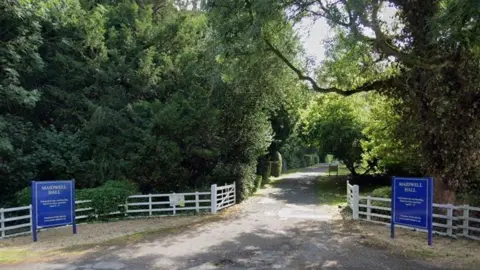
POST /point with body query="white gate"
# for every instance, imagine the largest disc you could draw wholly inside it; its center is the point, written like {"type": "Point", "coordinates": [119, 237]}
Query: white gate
{"type": "Point", "coordinates": [224, 196]}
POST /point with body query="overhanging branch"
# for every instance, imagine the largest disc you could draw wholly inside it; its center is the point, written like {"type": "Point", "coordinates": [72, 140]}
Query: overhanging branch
{"type": "Point", "coordinates": [369, 86]}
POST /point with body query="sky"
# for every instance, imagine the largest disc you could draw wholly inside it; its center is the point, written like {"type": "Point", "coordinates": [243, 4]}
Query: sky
{"type": "Point", "coordinates": [314, 33]}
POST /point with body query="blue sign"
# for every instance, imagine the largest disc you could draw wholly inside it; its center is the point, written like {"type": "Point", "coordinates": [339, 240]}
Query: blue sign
{"type": "Point", "coordinates": [53, 204]}
{"type": "Point", "coordinates": [412, 204]}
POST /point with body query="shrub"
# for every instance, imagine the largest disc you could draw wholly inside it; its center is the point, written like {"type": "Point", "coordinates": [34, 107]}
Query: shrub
{"type": "Point", "coordinates": [275, 168]}
{"type": "Point", "coordinates": [107, 198]}
{"type": "Point", "coordinates": [383, 192]}
{"type": "Point", "coordinates": [311, 159]}
{"type": "Point", "coordinates": [23, 197]}
{"type": "Point", "coordinates": [267, 169]}
{"type": "Point", "coordinates": [278, 158]}
{"type": "Point", "coordinates": [258, 182]}
{"type": "Point", "coordinates": [316, 159]}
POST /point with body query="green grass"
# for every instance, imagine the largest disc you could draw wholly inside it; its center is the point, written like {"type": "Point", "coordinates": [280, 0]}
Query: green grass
{"type": "Point", "coordinates": [342, 170]}
{"type": "Point", "coordinates": [13, 255]}
{"type": "Point", "coordinates": [332, 190]}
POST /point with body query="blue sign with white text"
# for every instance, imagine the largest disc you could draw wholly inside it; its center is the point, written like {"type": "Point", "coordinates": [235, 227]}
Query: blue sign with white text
{"type": "Point", "coordinates": [412, 203]}
{"type": "Point", "coordinates": [53, 204]}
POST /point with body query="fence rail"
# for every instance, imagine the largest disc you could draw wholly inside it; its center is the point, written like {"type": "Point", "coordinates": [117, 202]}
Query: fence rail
{"type": "Point", "coordinates": [449, 220]}
{"type": "Point", "coordinates": [17, 220]}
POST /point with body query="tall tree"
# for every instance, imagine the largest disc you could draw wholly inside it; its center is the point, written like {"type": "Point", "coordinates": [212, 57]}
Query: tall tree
{"type": "Point", "coordinates": [434, 47]}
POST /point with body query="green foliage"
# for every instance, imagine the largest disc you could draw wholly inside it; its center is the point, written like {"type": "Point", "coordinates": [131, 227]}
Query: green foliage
{"type": "Point", "coordinates": [316, 159]}
{"type": "Point", "coordinates": [276, 165]}
{"type": "Point", "coordinates": [258, 182]}
{"type": "Point", "coordinates": [266, 171]}
{"type": "Point", "coordinates": [293, 151]}
{"type": "Point", "coordinates": [383, 192]}
{"type": "Point", "coordinates": [97, 90]}
{"type": "Point", "coordinates": [108, 197]}
{"type": "Point", "coordinates": [331, 124]}
{"type": "Point", "coordinates": [276, 168]}
{"type": "Point", "coordinates": [310, 159]}
{"type": "Point", "coordinates": [383, 144]}
{"type": "Point", "coordinates": [23, 197]}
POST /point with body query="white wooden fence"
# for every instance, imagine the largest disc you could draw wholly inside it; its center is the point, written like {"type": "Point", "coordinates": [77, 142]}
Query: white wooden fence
{"type": "Point", "coordinates": [224, 196]}
{"type": "Point", "coordinates": [17, 220]}
{"type": "Point", "coordinates": [448, 220]}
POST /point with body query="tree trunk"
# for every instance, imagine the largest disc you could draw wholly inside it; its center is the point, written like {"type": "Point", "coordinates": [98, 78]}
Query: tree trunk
{"type": "Point", "coordinates": [442, 193]}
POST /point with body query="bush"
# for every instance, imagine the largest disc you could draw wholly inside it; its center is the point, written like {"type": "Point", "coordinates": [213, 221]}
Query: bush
{"type": "Point", "coordinates": [258, 182]}
{"type": "Point", "coordinates": [329, 159]}
{"type": "Point", "coordinates": [107, 198]}
{"type": "Point", "coordinates": [267, 169]}
{"type": "Point", "coordinates": [383, 192]}
{"type": "Point", "coordinates": [316, 159]}
{"type": "Point", "coordinates": [277, 157]}
{"type": "Point", "coordinates": [293, 151]}
{"type": "Point", "coordinates": [275, 168]}
{"type": "Point", "coordinates": [23, 197]}
{"type": "Point", "coordinates": [310, 160]}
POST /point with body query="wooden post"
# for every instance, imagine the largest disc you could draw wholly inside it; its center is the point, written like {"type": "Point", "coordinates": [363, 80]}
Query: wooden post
{"type": "Point", "coordinates": [2, 223]}
{"type": "Point", "coordinates": [369, 210]}
{"type": "Point", "coordinates": [150, 206]}
{"type": "Point", "coordinates": [213, 198]}
{"type": "Point", "coordinates": [174, 205]}
{"type": "Point", "coordinates": [31, 219]}
{"type": "Point", "coordinates": [197, 204]}
{"type": "Point", "coordinates": [450, 220]}
{"type": "Point", "coordinates": [466, 215]}
{"type": "Point", "coordinates": [348, 194]}
{"type": "Point", "coordinates": [125, 207]}
{"type": "Point", "coordinates": [234, 192]}
{"type": "Point", "coordinates": [356, 194]}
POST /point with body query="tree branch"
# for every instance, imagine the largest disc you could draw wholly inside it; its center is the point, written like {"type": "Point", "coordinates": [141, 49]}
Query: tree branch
{"type": "Point", "coordinates": [369, 86]}
{"type": "Point", "coordinates": [382, 42]}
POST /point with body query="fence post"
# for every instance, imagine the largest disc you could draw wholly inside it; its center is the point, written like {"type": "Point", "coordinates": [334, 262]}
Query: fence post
{"type": "Point", "coordinates": [369, 210]}
{"type": "Point", "coordinates": [125, 207]}
{"type": "Point", "coordinates": [466, 215]}
{"type": "Point", "coordinates": [2, 223]}
{"type": "Point", "coordinates": [234, 192]}
{"type": "Point", "coordinates": [174, 205]}
{"type": "Point", "coordinates": [150, 204]}
{"type": "Point", "coordinates": [213, 198]}
{"type": "Point", "coordinates": [31, 219]}
{"type": "Point", "coordinates": [355, 200]}
{"type": "Point", "coordinates": [197, 204]}
{"type": "Point", "coordinates": [450, 220]}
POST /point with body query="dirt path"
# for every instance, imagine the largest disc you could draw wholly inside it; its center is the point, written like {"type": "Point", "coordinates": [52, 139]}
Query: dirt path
{"type": "Point", "coordinates": [282, 228]}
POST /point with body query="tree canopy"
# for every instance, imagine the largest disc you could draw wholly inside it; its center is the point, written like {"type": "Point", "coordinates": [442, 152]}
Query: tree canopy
{"type": "Point", "coordinates": [178, 94]}
{"type": "Point", "coordinates": [426, 60]}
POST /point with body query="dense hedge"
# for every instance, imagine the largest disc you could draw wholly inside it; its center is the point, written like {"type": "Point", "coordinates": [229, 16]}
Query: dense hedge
{"type": "Point", "coordinates": [105, 199]}
{"type": "Point", "coordinates": [276, 165]}
{"type": "Point", "coordinates": [310, 159]}
{"type": "Point", "coordinates": [126, 90]}
{"type": "Point", "coordinates": [275, 168]}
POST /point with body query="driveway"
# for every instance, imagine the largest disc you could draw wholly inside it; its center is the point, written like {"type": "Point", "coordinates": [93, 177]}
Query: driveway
{"type": "Point", "coordinates": [281, 228]}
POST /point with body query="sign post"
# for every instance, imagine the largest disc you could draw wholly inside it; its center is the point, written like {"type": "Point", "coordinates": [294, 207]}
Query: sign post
{"type": "Point", "coordinates": [53, 205]}
{"type": "Point", "coordinates": [412, 204]}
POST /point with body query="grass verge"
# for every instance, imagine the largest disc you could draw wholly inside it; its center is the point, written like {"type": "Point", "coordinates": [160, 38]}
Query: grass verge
{"type": "Point", "coordinates": [11, 254]}
{"type": "Point", "coordinates": [332, 189]}
{"type": "Point", "coordinates": [446, 253]}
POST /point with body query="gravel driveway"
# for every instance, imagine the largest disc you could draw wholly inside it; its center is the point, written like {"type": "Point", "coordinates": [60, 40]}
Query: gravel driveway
{"type": "Point", "coordinates": [281, 228]}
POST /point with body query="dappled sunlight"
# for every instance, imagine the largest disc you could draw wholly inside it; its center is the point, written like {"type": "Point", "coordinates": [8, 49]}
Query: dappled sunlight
{"type": "Point", "coordinates": [300, 175]}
